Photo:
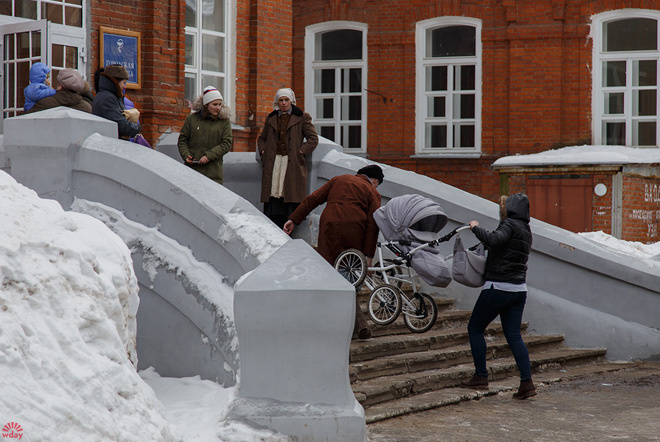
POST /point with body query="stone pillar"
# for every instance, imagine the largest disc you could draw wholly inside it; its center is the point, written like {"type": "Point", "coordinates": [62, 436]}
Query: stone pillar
{"type": "Point", "coordinates": [41, 148]}
{"type": "Point", "coordinates": [294, 320]}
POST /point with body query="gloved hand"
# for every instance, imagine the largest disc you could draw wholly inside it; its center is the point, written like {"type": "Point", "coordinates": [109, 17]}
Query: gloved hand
{"type": "Point", "coordinates": [132, 115]}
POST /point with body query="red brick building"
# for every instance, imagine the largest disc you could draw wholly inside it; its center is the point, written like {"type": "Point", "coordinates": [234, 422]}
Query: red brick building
{"type": "Point", "coordinates": [443, 88]}
{"type": "Point", "coordinates": [613, 189]}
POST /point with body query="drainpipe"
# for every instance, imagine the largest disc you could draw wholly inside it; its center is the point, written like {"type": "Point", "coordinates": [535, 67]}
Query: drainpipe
{"type": "Point", "coordinates": [617, 204]}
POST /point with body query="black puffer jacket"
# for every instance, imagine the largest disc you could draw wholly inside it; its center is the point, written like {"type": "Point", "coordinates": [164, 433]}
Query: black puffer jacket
{"type": "Point", "coordinates": [109, 104]}
{"type": "Point", "coordinates": [508, 245]}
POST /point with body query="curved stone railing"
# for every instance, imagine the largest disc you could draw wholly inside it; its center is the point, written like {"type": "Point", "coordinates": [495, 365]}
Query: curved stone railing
{"type": "Point", "coordinates": [594, 296]}
{"type": "Point", "coordinates": [195, 244]}
{"type": "Point", "coordinates": [221, 287]}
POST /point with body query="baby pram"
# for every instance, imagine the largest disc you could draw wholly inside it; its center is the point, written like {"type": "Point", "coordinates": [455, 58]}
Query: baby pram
{"type": "Point", "coordinates": [410, 225]}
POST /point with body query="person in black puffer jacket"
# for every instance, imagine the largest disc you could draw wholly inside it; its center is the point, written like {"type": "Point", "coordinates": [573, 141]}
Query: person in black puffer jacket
{"type": "Point", "coordinates": [109, 101]}
{"type": "Point", "coordinates": [505, 291]}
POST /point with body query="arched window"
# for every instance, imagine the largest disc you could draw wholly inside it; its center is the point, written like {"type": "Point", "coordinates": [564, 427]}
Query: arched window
{"type": "Point", "coordinates": [448, 86]}
{"type": "Point", "coordinates": [336, 79]}
{"type": "Point", "coordinates": [625, 68]}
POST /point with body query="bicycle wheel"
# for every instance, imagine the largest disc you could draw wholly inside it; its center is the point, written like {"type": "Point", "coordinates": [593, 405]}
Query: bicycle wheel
{"type": "Point", "coordinates": [352, 265]}
{"type": "Point", "coordinates": [424, 315]}
{"type": "Point", "coordinates": [385, 304]}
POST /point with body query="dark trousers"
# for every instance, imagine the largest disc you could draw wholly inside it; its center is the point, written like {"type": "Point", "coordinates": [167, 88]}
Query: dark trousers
{"type": "Point", "coordinates": [360, 320]}
{"type": "Point", "coordinates": [509, 306]}
{"type": "Point", "coordinates": [278, 211]}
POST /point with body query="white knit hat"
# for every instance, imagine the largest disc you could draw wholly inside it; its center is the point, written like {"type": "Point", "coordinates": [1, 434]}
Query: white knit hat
{"type": "Point", "coordinates": [210, 94]}
{"type": "Point", "coordinates": [284, 92]}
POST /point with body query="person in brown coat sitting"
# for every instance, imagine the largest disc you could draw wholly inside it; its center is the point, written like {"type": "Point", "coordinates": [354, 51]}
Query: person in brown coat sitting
{"type": "Point", "coordinates": [347, 221]}
{"type": "Point", "coordinates": [70, 85]}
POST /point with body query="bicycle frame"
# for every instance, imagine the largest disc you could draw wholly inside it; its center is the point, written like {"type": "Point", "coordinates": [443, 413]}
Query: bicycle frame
{"type": "Point", "coordinates": [407, 307]}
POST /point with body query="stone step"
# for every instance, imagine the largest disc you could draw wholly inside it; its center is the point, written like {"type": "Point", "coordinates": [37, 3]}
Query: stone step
{"type": "Point", "coordinates": [436, 338]}
{"type": "Point", "coordinates": [389, 388]}
{"type": "Point", "coordinates": [454, 395]}
{"type": "Point", "coordinates": [442, 358]}
{"type": "Point", "coordinates": [442, 302]}
{"type": "Point", "coordinates": [446, 319]}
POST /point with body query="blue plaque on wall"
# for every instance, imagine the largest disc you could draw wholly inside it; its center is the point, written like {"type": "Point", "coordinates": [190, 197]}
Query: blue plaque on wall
{"type": "Point", "coordinates": [121, 47]}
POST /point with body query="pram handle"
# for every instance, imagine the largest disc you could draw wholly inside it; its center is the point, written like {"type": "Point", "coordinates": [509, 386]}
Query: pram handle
{"type": "Point", "coordinates": [451, 234]}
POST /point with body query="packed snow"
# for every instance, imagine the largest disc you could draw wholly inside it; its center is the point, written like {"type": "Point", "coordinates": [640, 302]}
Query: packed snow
{"type": "Point", "coordinates": [580, 155]}
{"type": "Point", "coordinates": [67, 342]}
{"type": "Point", "coordinates": [68, 309]}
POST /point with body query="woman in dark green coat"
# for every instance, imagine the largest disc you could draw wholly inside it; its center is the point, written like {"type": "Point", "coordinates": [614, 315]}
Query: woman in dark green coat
{"type": "Point", "coordinates": [206, 135]}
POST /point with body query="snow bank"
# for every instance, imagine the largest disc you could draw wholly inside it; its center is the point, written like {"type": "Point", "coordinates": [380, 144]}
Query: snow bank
{"type": "Point", "coordinates": [586, 154]}
{"type": "Point", "coordinates": [67, 342]}
{"type": "Point", "coordinates": [647, 254]}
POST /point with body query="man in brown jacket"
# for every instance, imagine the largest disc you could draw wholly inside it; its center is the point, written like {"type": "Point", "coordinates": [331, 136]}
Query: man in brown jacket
{"type": "Point", "coordinates": [347, 221]}
{"type": "Point", "coordinates": [284, 146]}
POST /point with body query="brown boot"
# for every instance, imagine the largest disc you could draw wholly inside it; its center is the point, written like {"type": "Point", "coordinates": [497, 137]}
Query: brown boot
{"type": "Point", "coordinates": [476, 383]}
{"type": "Point", "coordinates": [364, 333]}
{"type": "Point", "coordinates": [526, 389]}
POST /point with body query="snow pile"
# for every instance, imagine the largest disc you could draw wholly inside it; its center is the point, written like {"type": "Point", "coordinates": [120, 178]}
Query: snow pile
{"type": "Point", "coordinates": [198, 407]}
{"type": "Point", "coordinates": [162, 251]}
{"type": "Point", "coordinates": [586, 154]}
{"type": "Point", "coordinates": [647, 254]}
{"type": "Point", "coordinates": [67, 308]}
{"type": "Point", "coordinates": [68, 328]}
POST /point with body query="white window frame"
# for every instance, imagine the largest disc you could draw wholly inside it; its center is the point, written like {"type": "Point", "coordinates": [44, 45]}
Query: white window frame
{"type": "Point", "coordinates": [599, 56]}
{"type": "Point", "coordinates": [54, 34]}
{"type": "Point", "coordinates": [229, 94]}
{"type": "Point", "coordinates": [311, 65]}
{"type": "Point", "coordinates": [422, 62]}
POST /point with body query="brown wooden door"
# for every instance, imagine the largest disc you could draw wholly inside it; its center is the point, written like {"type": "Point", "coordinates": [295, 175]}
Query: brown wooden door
{"type": "Point", "coordinates": [563, 202]}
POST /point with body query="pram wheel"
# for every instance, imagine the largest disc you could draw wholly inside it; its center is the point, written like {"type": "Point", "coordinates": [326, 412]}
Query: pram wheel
{"type": "Point", "coordinates": [423, 317]}
{"type": "Point", "coordinates": [352, 265]}
{"type": "Point", "coordinates": [385, 304]}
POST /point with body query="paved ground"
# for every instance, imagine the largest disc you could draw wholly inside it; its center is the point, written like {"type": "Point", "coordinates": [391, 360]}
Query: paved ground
{"type": "Point", "coordinates": [622, 405]}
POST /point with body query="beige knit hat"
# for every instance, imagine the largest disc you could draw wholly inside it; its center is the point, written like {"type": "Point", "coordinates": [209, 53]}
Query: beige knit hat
{"type": "Point", "coordinates": [71, 79]}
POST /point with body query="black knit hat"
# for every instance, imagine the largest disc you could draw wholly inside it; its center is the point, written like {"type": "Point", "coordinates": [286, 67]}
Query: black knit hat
{"type": "Point", "coordinates": [372, 171]}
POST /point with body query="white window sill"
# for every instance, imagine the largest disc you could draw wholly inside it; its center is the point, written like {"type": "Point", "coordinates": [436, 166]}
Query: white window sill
{"type": "Point", "coordinates": [446, 154]}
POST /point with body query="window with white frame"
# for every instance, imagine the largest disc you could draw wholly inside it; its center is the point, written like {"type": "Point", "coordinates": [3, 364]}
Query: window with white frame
{"type": "Point", "coordinates": [50, 31]}
{"type": "Point", "coordinates": [206, 47]}
{"type": "Point", "coordinates": [336, 82]}
{"type": "Point", "coordinates": [625, 89]}
{"type": "Point", "coordinates": [448, 86]}
{"type": "Point", "coordinates": [63, 12]}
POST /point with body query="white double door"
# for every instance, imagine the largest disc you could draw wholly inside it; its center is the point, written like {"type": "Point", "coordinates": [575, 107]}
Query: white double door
{"type": "Point", "coordinates": [27, 42]}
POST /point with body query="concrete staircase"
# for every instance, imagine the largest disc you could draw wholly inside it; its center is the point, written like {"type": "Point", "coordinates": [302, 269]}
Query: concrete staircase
{"type": "Point", "coordinates": [398, 372]}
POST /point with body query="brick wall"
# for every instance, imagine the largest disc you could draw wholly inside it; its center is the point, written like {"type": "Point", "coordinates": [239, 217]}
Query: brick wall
{"type": "Point", "coordinates": [640, 218]}
{"type": "Point", "coordinates": [601, 210]}
{"type": "Point", "coordinates": [641, 209]}
{"type": "Point", "coordinates": [264, 34]}
{"type": "Point", "coordinates": [160, 99]}
{"type": "Point", "coordinates": [536, 79]}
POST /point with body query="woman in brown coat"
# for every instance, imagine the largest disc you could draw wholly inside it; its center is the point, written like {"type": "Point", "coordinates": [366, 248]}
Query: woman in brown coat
{"type": "Point", "coordinates": [284, 146]}
{"type": "Point", "coordinates": [347, 221]}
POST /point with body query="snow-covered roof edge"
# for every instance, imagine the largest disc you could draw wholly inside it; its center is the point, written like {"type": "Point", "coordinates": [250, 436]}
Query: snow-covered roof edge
{"type": "Point", "coordinates": [584, 155]}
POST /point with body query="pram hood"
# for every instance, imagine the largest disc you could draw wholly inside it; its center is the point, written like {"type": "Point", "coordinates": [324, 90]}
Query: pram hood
{"type": "Point", "coordinates": [410, 217]}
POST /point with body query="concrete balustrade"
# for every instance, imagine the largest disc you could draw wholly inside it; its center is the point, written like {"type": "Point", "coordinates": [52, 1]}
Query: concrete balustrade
{"type": "Point", "coordinates": [287, 329]}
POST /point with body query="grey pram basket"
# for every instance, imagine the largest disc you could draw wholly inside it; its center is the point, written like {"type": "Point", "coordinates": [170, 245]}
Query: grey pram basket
{"type": "Point", "coordinates": [411, 221]}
